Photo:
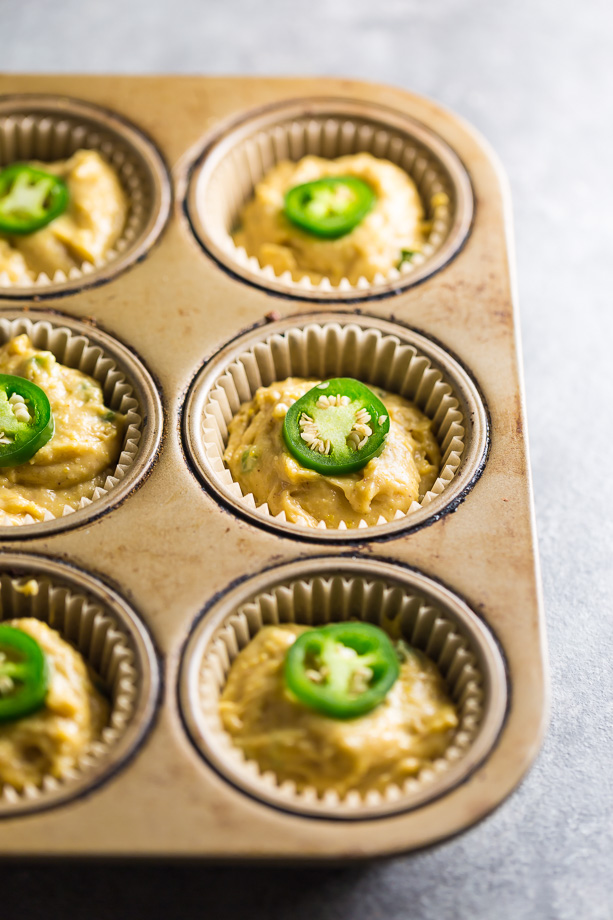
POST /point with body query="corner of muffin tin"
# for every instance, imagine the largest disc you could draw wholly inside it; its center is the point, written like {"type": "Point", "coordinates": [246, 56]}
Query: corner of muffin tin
{"type": "Point", "coordinates": [90, 616]}
{"type": "Point", "coordinates": [128, 381]}
{"type": "Point", "coordinates": [308, 593]}
{"type": "Point", "coordinates": [48, 127]}
{"type": "Point", "coordinates": [213, 474]}
{"type": "Point", "coordinates": [318, 126]}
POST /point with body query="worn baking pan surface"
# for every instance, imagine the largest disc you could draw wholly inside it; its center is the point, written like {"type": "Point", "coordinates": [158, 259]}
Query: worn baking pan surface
{"type": "Point", "coordinates": [171, 552]}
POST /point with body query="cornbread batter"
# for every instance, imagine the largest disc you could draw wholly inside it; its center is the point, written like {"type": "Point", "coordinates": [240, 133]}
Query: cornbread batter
{"type": "Point", "coordinates": [93, 222]}
{"type": "Point", "coordinates": [87, 440]}
{"type": "Point", "coordinates": [374, 245]}
{"type": "Point", "coordinates": [260, 463]}
{"type": "Point", "coordinates": [412, 727]}
{"type": "Point", "coordinates": [50, 741]}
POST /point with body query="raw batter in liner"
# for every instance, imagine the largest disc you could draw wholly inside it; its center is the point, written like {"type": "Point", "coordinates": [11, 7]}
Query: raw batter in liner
{"type": "Point", "coordinates": [412, 727]}
{"type": "Point", "coordinates": [50, 741]}
{"type": "Point", "coordinates": [86, 444]}
{"type": "Point", "coordinates": [259, 461]}
{"type": "Point", "coordinates": [374, 245]}
{"type": "Point", "coordinates": [85, 232]}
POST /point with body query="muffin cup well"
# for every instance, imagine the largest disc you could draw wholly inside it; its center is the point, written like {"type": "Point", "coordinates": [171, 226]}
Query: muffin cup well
{"type": "Point", "coordinates": [127, 388]}
{"type": "Point", "coordinates": [52, 128]}
{"type": "Point", "coordinates": [113, 643]}
{"type": "Point", "coordinates": [225, 176]}
{"type": "Point", "coordinates": [407, 605]}
{"type": "Point", "coordinates": [374, 351]}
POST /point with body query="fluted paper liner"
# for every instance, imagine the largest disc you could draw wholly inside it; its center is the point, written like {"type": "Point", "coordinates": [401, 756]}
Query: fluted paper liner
{"type": "Point", "coordinates": [334, 350]}
{"type": "Point", "coordinates": [74, 350]}
{"type": "Point", "coordinates": [335, 131]}
{"type": "Point", "coordinates": [316, 600]}
{"type": "Point", "coordinates": [51, 135]}
{"type": "Point", "coordinates": [104, 643]}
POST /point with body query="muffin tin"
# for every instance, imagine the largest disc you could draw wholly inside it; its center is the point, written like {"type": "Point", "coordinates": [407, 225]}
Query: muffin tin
{"type": "Point", "coordinates": [184, 568]}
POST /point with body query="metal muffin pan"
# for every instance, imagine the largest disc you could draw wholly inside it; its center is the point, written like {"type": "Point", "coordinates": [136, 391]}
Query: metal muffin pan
{"type": "Point", "coordinates": [186, 557]}
{"type": "Point", "coordinates": [49, 127]}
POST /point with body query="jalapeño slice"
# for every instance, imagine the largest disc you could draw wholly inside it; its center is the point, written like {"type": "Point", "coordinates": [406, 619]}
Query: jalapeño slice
{"type": "Point", "coordinates": [337, 427]}
{"type": "Point", "coordinates": [343, 670]}
{"type": "Point", "coordinates": [26, 420]}
{"type": "Point", "coordinates": [24, 674]}
{"type": "Point", "coordinates": [329, 207]}
{"type": "Point", "coordinates": [30, 198]}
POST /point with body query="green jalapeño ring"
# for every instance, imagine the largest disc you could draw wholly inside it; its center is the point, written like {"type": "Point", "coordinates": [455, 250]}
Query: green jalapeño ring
{"type": "Point", "coordinates": [337, 427]}
{"type": "Point", "coordinates": [30, 199]}
{"type": "Point", "coordinates": [343, 670]}
{"type": "Point", "coordinates": [330, 207]}
{"type": "Point", "coordinates": [24, 674]}
{"type": "Point", "coordinates": [26, 420]}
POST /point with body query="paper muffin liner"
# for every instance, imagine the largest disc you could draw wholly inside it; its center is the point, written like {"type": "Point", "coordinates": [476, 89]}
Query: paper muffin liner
{"type": "Point", "coordinates": [226, 179]}
{"type": "Point", "coordinates": [76, 350]}
{"type": "Point", "coordinates": [407, 606]}
{"type": "Point", "coordinates": [377, 353]}
{"type": "Point", "coordinates": [107, 642]}
{"type": "Point", "coordinates": [49, 129]}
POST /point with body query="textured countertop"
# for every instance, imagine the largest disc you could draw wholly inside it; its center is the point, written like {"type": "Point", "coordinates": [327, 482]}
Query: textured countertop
{"type": "Point", "coordinates": [535, 77]}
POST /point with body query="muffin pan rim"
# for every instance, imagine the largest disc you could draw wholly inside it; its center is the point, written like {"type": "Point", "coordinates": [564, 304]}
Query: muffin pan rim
{"type": "Point", "coordinates": [219, 609]}
{"type": "Point", "coordinates": [154, 163]}
{"type": "Point", "coordinates": [147, 393]}
{"type": "Point", "coordinates": [149, 681]}
{"type": "Point", "coordinates": [470, 470]}
{"type": "Point", "coordinates": [458, 235]}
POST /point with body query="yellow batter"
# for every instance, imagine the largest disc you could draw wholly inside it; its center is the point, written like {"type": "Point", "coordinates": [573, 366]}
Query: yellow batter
{"type": "Point", "coordinates": [259, 461]}
{"type": "Point", "coordinates": [92, 223]}
{"type": "Point", "coordinates": [86, 444]}
{"type": "Point", "coordinates": [412, 727]}
{"type": "Point", "coordinates": [374, 245]}
{"type": "Point", "coordinates": [50, 741]}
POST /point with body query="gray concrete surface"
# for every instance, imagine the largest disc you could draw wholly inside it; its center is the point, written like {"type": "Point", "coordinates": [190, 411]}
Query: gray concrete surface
{"type": "Point", "coordinates": [535, 77]}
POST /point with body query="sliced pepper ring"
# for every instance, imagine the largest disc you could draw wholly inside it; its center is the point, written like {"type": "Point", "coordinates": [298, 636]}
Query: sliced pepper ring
{"type": "Point", "coordinates": [330, 207]}
{"type": "Point", "coordinates": [26, 420]}
{"type": "Point", "coordinates": [337, 427]}
{"type": "Point", "coordinates": [24, 674]}
{"type": "Point", "coordinates": [343, 670]}
{"type": "Point", "coordinates": [30, 198]}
